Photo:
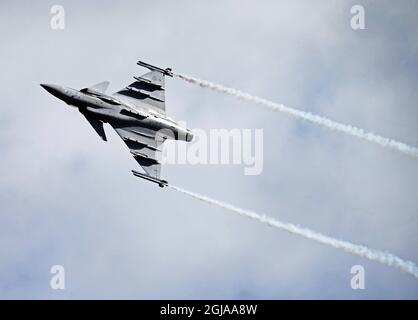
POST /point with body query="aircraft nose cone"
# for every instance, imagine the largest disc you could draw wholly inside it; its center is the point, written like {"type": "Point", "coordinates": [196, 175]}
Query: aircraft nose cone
{"type": "Point", "coordinates": [52, 88]}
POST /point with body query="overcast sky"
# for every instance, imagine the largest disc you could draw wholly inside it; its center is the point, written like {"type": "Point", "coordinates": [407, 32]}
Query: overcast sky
{"type": "Point", "coordinates": [68, 198]}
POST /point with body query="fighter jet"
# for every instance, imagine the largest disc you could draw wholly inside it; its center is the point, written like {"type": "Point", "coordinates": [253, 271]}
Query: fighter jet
{"type": "Point", "coordinates": [136, 113]}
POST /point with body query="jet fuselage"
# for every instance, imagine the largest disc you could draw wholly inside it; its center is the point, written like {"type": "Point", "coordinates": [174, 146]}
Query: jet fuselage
{"type": "Point", "coordinates": [107, 108]}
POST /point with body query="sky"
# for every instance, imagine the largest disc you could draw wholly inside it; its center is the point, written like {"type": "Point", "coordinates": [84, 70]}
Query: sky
{"type": "Point", "coordinates": [67, 198]}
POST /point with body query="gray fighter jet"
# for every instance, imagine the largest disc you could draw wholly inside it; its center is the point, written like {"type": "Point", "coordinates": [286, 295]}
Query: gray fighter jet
{"type": "Point", "coordinates": [137, 113]}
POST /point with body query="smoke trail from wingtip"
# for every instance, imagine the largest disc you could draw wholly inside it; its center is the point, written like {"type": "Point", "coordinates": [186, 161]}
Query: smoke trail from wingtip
{"type": "Point", "coordinates": [325, 122]}
{"type": "Point", "coordinates": [382, 257]}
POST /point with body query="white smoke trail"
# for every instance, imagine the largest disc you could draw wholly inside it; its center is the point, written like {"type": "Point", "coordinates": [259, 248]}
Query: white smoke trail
{"type": "Point", "coordinates": [330, 124]}
{"type": "Point", "coordinates": [382, 257]}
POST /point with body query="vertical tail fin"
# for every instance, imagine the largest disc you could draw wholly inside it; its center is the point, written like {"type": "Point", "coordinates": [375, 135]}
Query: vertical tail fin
{"type": "Point", "coordinates": [99, 87]}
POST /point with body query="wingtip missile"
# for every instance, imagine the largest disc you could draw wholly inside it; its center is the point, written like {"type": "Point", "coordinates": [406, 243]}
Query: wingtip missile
{"type": "Point", "coordinates": [166, 71]}
{"type": "Point", "coordinates": [161, 183]}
